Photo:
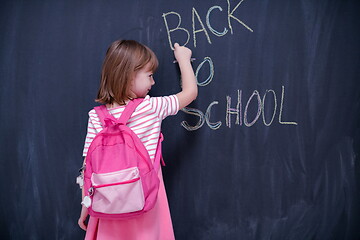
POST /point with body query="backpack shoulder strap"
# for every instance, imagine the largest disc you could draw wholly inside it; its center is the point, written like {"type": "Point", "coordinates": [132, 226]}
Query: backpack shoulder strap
{"type": "Point", "coordinates": [106, 118]}
{"type": "Point", "coordinates": [103, 114]}
{"type": "Point", "coordinates": [126, 114]}
{"type": "Point", "coordinates": [158, 155]}
{"type": "Point", "coordinates": [129, 109]}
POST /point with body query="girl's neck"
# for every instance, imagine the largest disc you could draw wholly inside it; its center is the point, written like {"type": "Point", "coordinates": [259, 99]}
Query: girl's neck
{"type": "Point", "coordinates": [115, 104]}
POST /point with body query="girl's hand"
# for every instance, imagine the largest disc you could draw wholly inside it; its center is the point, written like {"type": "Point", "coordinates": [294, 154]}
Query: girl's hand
{"type": "Point", "coordinates": [82, 219]}
{"type": "Point", "coordinates": [182, 54]}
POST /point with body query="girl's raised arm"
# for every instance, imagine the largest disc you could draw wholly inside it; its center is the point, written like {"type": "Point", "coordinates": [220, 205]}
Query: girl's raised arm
{"type": "Point", "coordinates": [189, 86]}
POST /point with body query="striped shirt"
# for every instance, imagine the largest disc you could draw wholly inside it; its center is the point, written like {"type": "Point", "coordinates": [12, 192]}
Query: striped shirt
{"type": "Point", "coordinates": [145, 121]}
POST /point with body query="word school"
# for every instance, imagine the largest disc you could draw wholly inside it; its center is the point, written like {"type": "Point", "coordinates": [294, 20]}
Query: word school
{"type": "Point", "coordinates": [240, 114]}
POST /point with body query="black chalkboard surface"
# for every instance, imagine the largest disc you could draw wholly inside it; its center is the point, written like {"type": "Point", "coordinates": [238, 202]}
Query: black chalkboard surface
{"type": "Point", "coordinates": [269, 150]}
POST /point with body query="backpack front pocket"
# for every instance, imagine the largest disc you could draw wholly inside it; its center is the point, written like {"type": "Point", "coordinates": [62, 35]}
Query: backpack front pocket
{"type": "Point", "coordinates": [117, 192]}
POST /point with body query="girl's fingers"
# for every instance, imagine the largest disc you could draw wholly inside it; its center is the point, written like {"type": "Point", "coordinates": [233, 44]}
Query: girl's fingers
{"type": "Point", "coordinates": [82, 224]}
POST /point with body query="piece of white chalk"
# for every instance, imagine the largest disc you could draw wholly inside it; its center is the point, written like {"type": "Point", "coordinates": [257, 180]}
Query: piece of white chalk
{"type": "Point", "coordinates": [191, 59]}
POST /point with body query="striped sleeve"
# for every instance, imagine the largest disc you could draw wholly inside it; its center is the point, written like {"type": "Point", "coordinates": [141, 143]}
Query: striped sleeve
{"type": "Point", "coordinates": [165, 106]}
{"type": "Point", "coordinates": [94, 126]}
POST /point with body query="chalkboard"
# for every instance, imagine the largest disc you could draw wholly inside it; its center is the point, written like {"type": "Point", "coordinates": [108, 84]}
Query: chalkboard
{"type": "Point", "coordinates": [269, 149]}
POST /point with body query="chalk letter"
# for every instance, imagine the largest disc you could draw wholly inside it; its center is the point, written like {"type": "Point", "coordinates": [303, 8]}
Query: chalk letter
{"type": "Point", "coordinates": [236, 111]}
{"type": "Point", "coordinates": [208, 22]}
{"type": "Point", "coordinates": [213, 126]}
{"type": "Point", "coordinates": [196, 112]}
{"type": "Point", "coordinates": [263, 109]}
{"type": "Point", "coordinates": [230, 15]}
{"type": "Point", "coordinates": [210, 77]}
{"type": "Point", "coordinates": [258, 112]}
{"type": "Point", "coordinates": [202, 25]}
{"type": "Point", "coordinates": [281, 108]}
{"type": "Point", "coordinates": [174, 29]}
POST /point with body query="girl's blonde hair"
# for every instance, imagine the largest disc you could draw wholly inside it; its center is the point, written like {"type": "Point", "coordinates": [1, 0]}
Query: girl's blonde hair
{"type": "Point", "coordinates": [123, 59]}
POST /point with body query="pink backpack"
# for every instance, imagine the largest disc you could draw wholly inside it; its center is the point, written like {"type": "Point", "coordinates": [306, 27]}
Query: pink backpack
{"type": "Point", "coordinates": [119, 177]}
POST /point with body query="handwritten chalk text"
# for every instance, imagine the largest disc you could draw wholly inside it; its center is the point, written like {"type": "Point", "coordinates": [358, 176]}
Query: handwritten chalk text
{"type": "Point", "coordinates": [234, 113]}
{"type": "Point", "coordinates": [198, 25]}
{"type": "Point", "coordinates": [240, 114]}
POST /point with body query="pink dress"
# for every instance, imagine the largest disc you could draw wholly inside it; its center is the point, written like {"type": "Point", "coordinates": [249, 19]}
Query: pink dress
{"type": "Point", "coordinates": [146, 123]}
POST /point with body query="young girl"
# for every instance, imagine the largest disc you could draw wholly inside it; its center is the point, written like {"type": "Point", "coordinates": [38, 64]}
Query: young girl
{"type": "Point", "coordinates": [127, 73]}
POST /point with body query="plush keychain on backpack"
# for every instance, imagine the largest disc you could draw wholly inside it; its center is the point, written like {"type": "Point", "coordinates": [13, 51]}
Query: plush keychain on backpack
{"type": "Point", "coordinates": [86, 201]}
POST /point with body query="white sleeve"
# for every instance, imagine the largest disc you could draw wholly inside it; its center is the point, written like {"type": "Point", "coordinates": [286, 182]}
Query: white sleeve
{"type": "Point", "coordinates": [94, 126]}
{"type": "Point", "coordinates": [165, 106]}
